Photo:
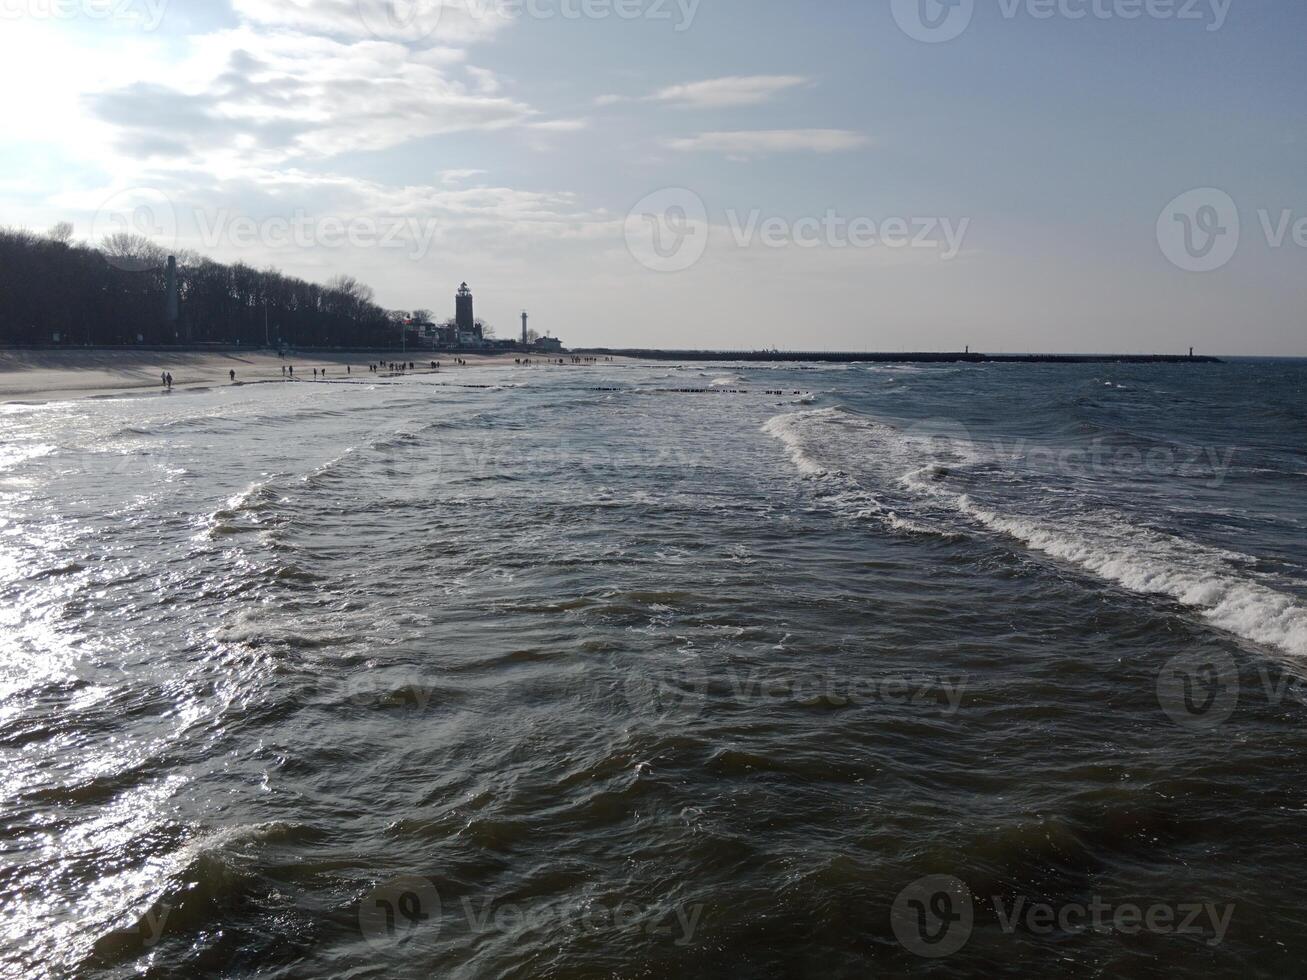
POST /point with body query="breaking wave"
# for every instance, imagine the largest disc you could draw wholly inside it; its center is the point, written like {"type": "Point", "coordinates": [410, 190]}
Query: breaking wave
{"type": "Point", "coordinates": [904, 477]}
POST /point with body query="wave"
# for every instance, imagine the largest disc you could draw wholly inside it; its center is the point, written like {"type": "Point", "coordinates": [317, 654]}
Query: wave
{"type": "Point", "coordinates": [1152, 563]}
{"type": "Point", "coordinates": [906, 484]}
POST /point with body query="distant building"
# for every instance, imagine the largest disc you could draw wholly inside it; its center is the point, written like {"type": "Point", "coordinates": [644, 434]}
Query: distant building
{"type": "Point", "coordinates": [550, 345]}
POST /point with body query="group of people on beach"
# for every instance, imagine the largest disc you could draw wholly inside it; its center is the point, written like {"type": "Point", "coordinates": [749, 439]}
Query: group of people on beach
{"type": "Point", "coordinates": [395, 367]}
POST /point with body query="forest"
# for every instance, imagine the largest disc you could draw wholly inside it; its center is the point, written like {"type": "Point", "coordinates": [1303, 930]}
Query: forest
{"type": "Point", "coordinates": [55, 290]}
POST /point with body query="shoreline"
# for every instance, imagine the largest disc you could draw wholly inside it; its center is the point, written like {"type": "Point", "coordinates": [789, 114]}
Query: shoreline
{"type": "Point", "coordinates": [40, 376]}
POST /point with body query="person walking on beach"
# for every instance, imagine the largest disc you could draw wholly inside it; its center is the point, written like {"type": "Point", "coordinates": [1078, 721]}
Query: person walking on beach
{"type": "Point", "coordinates": [291, 369]}
{"type": "Point", "coordinates": [232, 375]}
{"type": "Point", "coordinates": [168, 380]}
{"type": "Point", "coordinates": [163, 378]}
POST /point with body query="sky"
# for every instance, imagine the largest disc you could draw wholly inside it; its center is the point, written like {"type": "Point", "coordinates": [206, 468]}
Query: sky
{"type": "Point", "coordinates": [879, 175]}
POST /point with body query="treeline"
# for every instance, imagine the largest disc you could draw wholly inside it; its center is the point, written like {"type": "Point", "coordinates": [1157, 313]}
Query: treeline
{"type": "Point", "coordinates": [116, 293]}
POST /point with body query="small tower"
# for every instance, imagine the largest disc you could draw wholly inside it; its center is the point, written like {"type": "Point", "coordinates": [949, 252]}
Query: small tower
{"type": "Point", "coordinates": [524, 328]}
{"type": "Point", "coordinates": [171, 305]}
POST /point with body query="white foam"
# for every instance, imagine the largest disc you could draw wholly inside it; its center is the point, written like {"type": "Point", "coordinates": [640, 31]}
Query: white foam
{"type": "Point", "coordinates": [1210, 580]}
{"type": "Point", "coordinates": [789, 430]}
{"type": "Point", "coordinates": [1156, 564]}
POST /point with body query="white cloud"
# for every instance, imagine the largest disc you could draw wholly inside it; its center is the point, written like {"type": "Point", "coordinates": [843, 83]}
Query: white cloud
{"type": "Point", "coordinates": [410, 21]}
{"type": "Point", "coordinates": [487, 82]}
{"type": "Point", "coordinates": [451, 177]}
{"type": "Point", "coordinates": [735, 90]}
{"type": "Point", "coordinates": [266, 98]}
{"type": "Point", "coordinates": [746, 143]}
{"type": "Point", "coordinates": [561, 125]}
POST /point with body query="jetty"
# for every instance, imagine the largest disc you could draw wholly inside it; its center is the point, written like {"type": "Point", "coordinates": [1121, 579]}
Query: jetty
{"type": "Point", "coordinates": [884, 357]}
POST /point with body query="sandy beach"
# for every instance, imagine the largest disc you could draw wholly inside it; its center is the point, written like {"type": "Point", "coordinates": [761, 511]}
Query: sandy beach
{"type": "Point", "coordinates": [59, 375]}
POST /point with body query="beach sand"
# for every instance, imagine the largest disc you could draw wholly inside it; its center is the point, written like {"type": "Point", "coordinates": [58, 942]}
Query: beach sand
{"type": "Point", "coordinates": [60, 375]}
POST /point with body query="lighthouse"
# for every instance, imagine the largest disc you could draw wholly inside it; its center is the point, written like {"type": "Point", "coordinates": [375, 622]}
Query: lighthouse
{"type": "Point", "coordinates": [524, 328]}
{"type": "Point", "coordinates": [463, 316]}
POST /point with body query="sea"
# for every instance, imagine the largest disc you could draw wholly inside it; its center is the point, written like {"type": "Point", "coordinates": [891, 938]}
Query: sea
{"type": "Point", "coordinates": [660, 670]}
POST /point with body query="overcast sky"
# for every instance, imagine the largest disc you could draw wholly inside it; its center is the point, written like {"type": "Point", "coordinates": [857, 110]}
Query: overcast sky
{"type": "Point", "coordinates": [1070, 175]}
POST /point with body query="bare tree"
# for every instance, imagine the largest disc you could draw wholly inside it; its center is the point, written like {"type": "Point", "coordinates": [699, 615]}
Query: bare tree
{"type": "Point", "coordinates": [61, 233]}
{"type": "Point", "coordinates": [352, 287]}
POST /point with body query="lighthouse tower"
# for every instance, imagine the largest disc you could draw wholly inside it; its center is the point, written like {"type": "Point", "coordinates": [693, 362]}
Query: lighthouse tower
{"type": "Point", "coordinates": [524, 328]}
{"type": "Point", "coordinates": [463, 315]}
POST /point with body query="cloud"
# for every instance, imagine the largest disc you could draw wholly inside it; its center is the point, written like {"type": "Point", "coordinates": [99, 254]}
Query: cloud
{"type": "Point", "coordinates": [716, 93]}
{"type": "Point", "coordinates": [450, 177]}
{"type": "Point", "coordinates": [560, 125]}
{"type": "Point", "coordinates": [734, 90]}
{"type": "Point", "coordinates": [744, 143]}
{"type": "Point", "coordinates": [268, 98]}
{"type": "Point", "coordinates": [409, 21]}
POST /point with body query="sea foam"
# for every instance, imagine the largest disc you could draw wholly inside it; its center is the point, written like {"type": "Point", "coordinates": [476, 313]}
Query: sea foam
{"type": "Point", "coordinates": [1206, 579]}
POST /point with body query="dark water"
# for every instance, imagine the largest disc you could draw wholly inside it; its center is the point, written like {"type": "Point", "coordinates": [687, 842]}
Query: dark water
{"type": "Point", "coordinates": [578, 676]}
